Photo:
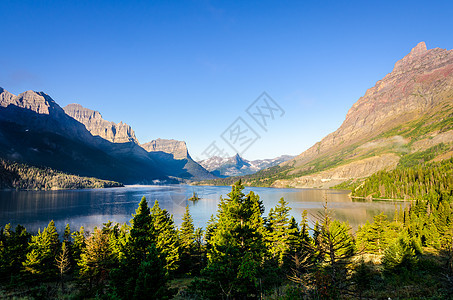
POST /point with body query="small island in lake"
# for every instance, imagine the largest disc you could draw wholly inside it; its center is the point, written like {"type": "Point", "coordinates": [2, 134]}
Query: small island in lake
{"type": "Point", "coordinates": [194, 197]}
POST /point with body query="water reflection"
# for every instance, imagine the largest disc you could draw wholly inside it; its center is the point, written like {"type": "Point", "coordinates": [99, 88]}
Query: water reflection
{"type": "Point", "coordinates": [90, 208]}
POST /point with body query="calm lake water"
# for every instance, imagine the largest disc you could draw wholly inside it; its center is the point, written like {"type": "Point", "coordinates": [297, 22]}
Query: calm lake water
{"type": "Point", "coordinates": [93, 207]}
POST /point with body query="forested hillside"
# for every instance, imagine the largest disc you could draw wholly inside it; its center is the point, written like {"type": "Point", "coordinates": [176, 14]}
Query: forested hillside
{"type": "Point", "coordinates": [427, 181]}
{"type": "Point", "coordinates": [24, 177]}
{"type": "Point", "coordinates": [241, 254]}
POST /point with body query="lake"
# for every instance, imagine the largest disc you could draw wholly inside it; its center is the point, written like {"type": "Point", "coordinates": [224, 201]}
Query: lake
{"type": "Point", "coordinates": [93, 207]}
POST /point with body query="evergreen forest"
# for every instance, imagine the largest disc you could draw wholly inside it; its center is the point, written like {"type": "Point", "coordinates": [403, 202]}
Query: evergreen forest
{"type": "Point", "coordinates": [19, 176]}
{"type": "Point", "coordinates": [242, 253]}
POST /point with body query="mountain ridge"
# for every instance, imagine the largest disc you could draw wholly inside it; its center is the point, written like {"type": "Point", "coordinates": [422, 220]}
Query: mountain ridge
{"type": "Point", "coordinates": [419, 83]}
{"type": "Point", "coordinates": [360, 111]}
{"type": "Point", "coordinates": [37, 131]}
{"type": "Point", "coordinates": [238, 166]}
{"type": "Point", "coordinates": [405, 113]}
{"type": "Point", "coordinates": [166, 151]}
{"type": "Point", "coordinates": [97, 126]}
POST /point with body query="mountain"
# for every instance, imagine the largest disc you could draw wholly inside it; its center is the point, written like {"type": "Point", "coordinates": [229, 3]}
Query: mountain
{"type": "Point", "coordinates": [35, 130]}
{"type": "Point", "coordinates": [173, 155]}
{"type": "Point", "coordinates": [177, 150]}
{"type": "Point", "coordinates": [404, 116]}
{"type": "Point", "coordinates": [408, 111]}
{"type": "Point", "coordinates": [97, 126]}
{"type": "Point", "coordinates": [238, 166]}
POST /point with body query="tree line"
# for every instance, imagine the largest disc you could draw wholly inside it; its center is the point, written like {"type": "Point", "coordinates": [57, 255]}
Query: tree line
{"type": "Point", "coordinates": [241, 254]}
{"type": "Point", "coordinates": [24, 177]}
{"type": "Point", "coordinates": [427, 181]}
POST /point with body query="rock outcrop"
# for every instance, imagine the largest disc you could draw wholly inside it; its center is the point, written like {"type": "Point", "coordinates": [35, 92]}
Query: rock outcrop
{"type": "Point", "coordinates": [96, 125]}
{"type": "Point", "coordinates": [37, 102]}
{"type": "Point", "coordinates": [177, 148]}
{"type": "Point", "coordinates": [170, 150]}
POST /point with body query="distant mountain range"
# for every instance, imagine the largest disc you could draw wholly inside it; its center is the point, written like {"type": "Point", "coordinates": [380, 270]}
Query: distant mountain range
{"type": "Point", "coordinates": [238, 166]}
{"type": "Point", "coordinates": [404, 117]}
{"type": "Point", "coordinates": [35, 130]}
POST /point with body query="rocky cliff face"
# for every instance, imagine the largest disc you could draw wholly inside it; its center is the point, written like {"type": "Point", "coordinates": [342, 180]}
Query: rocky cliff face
{"type": "Point", "coordinates": [40, 112]}
{"type": "Point", "coordinates": [177, 148]}
{"type": "Point", "coordinates": [96, 125]}
{"type": "Point", "coordinates": [168, 150]}
{"type": "Point", "coordinates": [171, 155]}
{"type": "Point", "coordinates": [37, 102]}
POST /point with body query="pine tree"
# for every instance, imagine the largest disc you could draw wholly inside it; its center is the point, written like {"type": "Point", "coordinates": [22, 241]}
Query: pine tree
{"type": "Point", "coordinates": [187, 242]}
{"type": "Point", "coordinates": [200, 251]}
{"type": "Point", "coordinates": [119, 236]}
{"type": "Point", "coordinates": [279, 234]}
{"type": "Point", "coordinates": [140, 272]}
{"type": "Point", "coordinates": [211, 226]}
{"type": "Point", "coordinates": [96, 260]}
{"type": "Point", "coordinates": [236, 245]}
{"type": "Point", "coordinates": [293, 237]}
{"type": "Point", "coordinates": [165, 237]}
{"type": "Point", "coordinates": [43, 250]}
{"type": "Point", "coordinates": [141, 234]}
{"type": "Point", "coordinates": [13, 250]}
{"type": "Point", "coordinates": [67, 234]}
{"type": "Point", "coordinates": [151, 281]}
{"type": "Point", "coordinates": [402, 254]}
{"type": "Point", "coordinates": [303, 259]}
{"type": "Point", "coordinates": [63, 263]}
{"type": "Point", "coordinates": [304, 234]}
{"type": "Point", "coordinates": [79, 243]}
{"type": "Point", "coordinates": [375, 237]}
{"type": "Point", "coordinates": [334, 249]}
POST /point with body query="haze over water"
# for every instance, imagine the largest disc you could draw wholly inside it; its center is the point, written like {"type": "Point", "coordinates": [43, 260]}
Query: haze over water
{"type": "Point", "coordinates": [93, 207]}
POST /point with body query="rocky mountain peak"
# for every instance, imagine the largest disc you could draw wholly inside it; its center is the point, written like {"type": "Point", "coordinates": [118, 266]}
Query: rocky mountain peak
{"type": "Point", "coordinates": [38, 102]}
{"type": "Point", "coordinates": [79, 112]}
{"type": "Point", "coordinates": [411, 59]}
{"type": "Point", "coordinates": [177, 148]}
{"type": "Point", "coordinates": [96, 125]}
{"type": "Point", "coordinates": [240, 161]}
{"type": "Point", "coordinates": [5, 98]}
{"type": "Point", "coordinates": [419, 49]}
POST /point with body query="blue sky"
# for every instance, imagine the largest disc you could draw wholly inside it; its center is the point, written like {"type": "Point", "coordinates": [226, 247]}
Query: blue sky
{"type": "Point", "coordinates": [187, 69]}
